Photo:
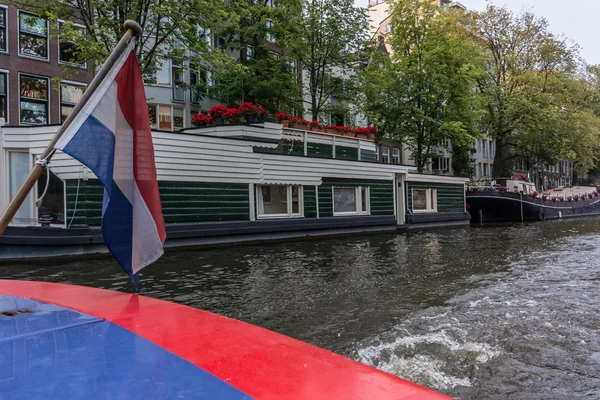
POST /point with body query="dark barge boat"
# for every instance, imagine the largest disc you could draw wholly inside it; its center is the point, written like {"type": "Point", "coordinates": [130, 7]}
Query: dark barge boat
{"type": "Point", "coordinates": [491, 204]}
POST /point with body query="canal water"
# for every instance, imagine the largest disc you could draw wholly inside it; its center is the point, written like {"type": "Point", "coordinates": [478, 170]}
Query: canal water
{"type": "Point", "coordinates": [494, 312]}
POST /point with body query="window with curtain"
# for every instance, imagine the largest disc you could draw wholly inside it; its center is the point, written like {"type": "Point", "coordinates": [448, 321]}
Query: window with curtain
{"type": "Point", "coordinates": [424, 200]}
{"type": "Point", "coordinates": [279, 201]}
{"type": "Point", "coordinates": [34, 100]}
{"type": "Point", "coordinates": [351, 200]}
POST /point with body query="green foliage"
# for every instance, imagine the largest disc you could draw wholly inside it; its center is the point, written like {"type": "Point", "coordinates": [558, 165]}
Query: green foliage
{"type": "Point", "coordinates": [423, 93]}
{"type": "Point", "coordinates": [172, 29]}
{"type": "Point", "coordinates": [330, 35]}
{"type": "Point", "coordinates": [266, 73]}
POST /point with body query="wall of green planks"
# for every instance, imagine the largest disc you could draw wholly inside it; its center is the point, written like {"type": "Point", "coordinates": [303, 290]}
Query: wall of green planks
{"type": "Point", "coordinates": [450, 197]}
{"type": "Point", "coordinates": [381, 195]}
{"type": "Point", "coordinates": [181, 202]}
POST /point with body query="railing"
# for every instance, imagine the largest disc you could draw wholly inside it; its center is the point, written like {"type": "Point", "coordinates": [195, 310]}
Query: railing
{"type": "Point", "coordinates": [324, 145]}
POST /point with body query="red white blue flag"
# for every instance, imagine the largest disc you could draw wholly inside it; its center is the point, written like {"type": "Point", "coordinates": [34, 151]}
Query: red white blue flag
{"type": "Point", "coordinates": [111, 136]}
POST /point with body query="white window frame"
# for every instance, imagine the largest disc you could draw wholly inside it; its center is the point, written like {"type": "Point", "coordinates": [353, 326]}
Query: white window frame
{"type": "Point", "coordinates": [385, 152]}
{"type": "Point", "coordinates": [430, 197]}
{"type": "Point", "coordinates": [19, 37]}
{"type": "Point", "coordinates": [269, 35]}
{"type": "Point", "coordinates": [395, 156]}
{"type": "Point", "coordinates": [157, 107]}
{"type": "Point", "coordinates": [249, 53]}
{"type": "Point", "coordinates": [61, 62]}
{"type": "Point", "coordinates": [5, 7]}
{"type": "Point", "coordinates": [289, 214]}
{"type": "Point", "coordinates": [72, 83]}
{"type": "Point", "coordinates": [359, 200]}
{"type": "Point", "coordinates": [49, 111]}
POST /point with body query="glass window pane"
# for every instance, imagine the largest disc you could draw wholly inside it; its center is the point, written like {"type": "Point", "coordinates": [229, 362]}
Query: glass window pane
{"type": "Point", "coordinates": [3, 108]}
{"type": "Point", "coordinates": [71, 93]}
{"type": "Point", "coordinates": [419, 199]}
{"type": "Point", "coordinates": [2, 83]}
{"type": "Point", "coordinates": [19, 168]}
{"type": "Point", "coordinates": [295, 200]}
{"type": "Point", "coordinates": [32, 24]}
{"type": "Point", "coordinates": [65, 111]}
{"type": "Point", "coordinates": [344, 200]}
{"type": "Point", "coordinates": [3, 17]}
{"type": "Point", "coordinates": [164, 118]}
{"type": "Point", "coordinates": [163, 74]}
{"type": "Point", "coordinates": [33, 45]}
{"type": "Point", "coordinates": [3, 39]}
{"type": "Point", "coordinates": [53, 204]}
{"type": "Point", "coordinates": [152, 115]}
{"type": "Point", "coordinates": [178, 118]}
{"type": "Point", "coordinates": [274, 199]}
{"type": "Point", "coordinates": [34, 88]}
{"type": "Point", "coordinates": [67, 52]}
{"type": "Point", "coordinates": [432, 200]}
{"type": "Point", "coordinates": [34, 113]}
{"type": "Point", "coordinates": [364, 194]}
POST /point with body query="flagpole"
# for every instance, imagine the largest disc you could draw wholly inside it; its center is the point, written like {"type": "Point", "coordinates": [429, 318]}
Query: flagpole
{"type": "Point", "coordinates": [132, 30]}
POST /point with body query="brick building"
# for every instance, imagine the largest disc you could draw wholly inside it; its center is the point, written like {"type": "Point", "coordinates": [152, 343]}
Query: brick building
{"type": "Point", "coordinates": [31, 60]}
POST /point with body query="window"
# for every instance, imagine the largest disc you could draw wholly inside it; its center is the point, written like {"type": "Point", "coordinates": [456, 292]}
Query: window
{"type": "Point", "coordinates": [19, 166]}
{"type": "Point", "coordinates": [249, 52]}
{"type": "Point", "coordinates": [163, 73]}
{"type": "Point", "coordinates": [484, 148]}
{"type": "Point", "coordinates": [274, 55]}
{"type": "Point", "coordinates": [3, 24]}
{"type": "Point", "coordinates": [67, 49]}
{"type": "Point", "coordinates": [70, 94]}
{"type": "Point", "coordinates": [424, 200]}
{"type": "Point", "coordinates": [271, 3]}
{"type": "Point", "coordinates": [491, 149]}
{"type": "Point", "coordinates": [293, 66]}
{"type": "Point", "coordinates": [52, 209]}
{"type": "Point", "coordinates": [166, 118]}
{"type": "Point", "coordinates": [33, 100]}
{"type": "Point", "coordinates": [351, 201]}
{"type": "Point", "coordinates": [270, 36]}
{"type": "Point", "coordinates": [491, 169]}
{"type": "Point", "coordinates": [178, 83]}
{"type": "Point", "coordinates": [485, 169]}
{"type": "Point", "coordinates": [3, 96]}
{"type": "Point", "coordinates": [395, 156]}
{"type": "Point", "coordinates": [33, 36]}
{"type": "Point", "coordinates": [279, 201]}
{"type": "Point", "coordinates": [177, 118]}
{"type": "Point", "coordinates": [385, 155]}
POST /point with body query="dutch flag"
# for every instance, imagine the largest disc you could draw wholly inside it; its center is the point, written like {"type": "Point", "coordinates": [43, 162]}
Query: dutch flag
{"type": "Point", "coordinates": [111, 136]}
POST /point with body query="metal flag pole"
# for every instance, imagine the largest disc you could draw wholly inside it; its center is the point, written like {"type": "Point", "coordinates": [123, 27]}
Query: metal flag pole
{"type": "Point", "coordinates": [132, 30]}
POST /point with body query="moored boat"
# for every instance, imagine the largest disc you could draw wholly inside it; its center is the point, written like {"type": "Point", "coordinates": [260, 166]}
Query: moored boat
{"type": "Point", "coordinates": [518, 200]}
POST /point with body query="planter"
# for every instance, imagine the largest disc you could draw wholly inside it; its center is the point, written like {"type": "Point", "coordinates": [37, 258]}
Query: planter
{"type": "Point", "coordinates": [286, 123]}
{"type": "Point", "coordinates": [219, 121]}
{"type": "Point", "coordinates": [300, 126]}
{"type": "Point", "coordinates": [250, 117]}
{"type": "Point", "coordinates": [316, 129]}
{"type": "Point", "coordinates": [361, 135]}
{"type": "Point", "coordinates": [349, 134]}
{"type": "Point", "coordinates": [331, 131]}
{"type": "Point", "coordinates": [200, 124]}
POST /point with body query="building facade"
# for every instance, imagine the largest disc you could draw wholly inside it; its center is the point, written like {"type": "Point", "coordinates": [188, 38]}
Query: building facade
{"type": "Point", "coordinates": [39, 84]}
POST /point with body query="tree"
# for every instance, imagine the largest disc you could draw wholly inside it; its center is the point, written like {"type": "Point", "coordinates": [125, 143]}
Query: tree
{"type": "Point", "coordinates": [261, 32]}
{"type": "Point", "coordinates": [423, 92]}
{"type": "Point", "coordinates": [524, 65]}
{"type": "Point", "coordinates": [171, 29]}
{"type": "Point", "coordinates": [331, 33]}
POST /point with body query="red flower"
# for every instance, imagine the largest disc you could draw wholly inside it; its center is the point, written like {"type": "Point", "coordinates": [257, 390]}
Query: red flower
{"type": "Point", "coordinates": [198, 119]}
{"type": "Point", "coordinates": [314, 123]}
{"type": "Point", "coordinates": [218, 111]}
{"type": "Point", "coordinates": [250, 107]}
{"type": "Point", "coordinates": [231, 113]}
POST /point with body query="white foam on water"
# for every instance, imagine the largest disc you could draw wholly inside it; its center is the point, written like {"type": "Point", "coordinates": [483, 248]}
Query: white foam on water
{"type": "Point", "coordinates": [395, 357]}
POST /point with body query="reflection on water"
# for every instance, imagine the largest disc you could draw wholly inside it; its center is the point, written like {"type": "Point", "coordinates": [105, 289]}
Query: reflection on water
{"type": "Point", "coordinates": [492, 312]}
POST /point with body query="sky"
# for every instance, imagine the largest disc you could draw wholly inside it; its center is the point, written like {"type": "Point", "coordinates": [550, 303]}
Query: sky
{"type": "Point", "coordinates": [575, 19]}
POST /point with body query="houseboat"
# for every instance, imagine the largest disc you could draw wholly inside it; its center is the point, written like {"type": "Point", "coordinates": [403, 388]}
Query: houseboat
{"type": "Point", "coordinates": [517, 199]}
{"type": "Point", "coordinates": [230, 183]}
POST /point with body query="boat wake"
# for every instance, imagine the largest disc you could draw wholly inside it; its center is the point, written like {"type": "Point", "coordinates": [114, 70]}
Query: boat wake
{"type": "Point", "coordinates": [438, 355]}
